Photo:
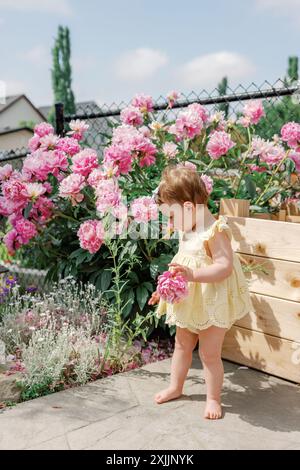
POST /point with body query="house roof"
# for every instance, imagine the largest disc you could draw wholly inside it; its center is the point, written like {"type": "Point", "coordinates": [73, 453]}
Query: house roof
{"type": "Point", "coordinates": [84, 107]}
{"type": "Point", "coordinates": [16, 129]}
{"type": "Point", "coordinates": [10, 100]}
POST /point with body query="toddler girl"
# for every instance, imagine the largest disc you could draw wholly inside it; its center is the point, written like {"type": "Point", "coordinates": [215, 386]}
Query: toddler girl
{"type": "Point", "coordinates": [218, 291]}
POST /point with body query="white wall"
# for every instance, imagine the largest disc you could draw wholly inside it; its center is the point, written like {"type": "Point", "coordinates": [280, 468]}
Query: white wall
{"type": "Point", "coordinates": [17, 112]}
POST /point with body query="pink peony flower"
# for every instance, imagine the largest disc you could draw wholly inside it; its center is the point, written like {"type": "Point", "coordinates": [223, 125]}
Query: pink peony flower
{"type": "Point", "coordinates": [43, 129]}
{"type": "Point", "coordinates": [69, 145]}
{"type": "Point", "coordinates": [295, 156]}
{"type": "Point", "coordinates": [14, 190]}
{"type": "Point", "coordinates": [132, 116]}
{"type": "Point", "coordinates": [144, 103]}
{"type": "Point", "coordinates": [95, 176]}
{"type": "Point", "coordinates": [6, 207]}
{"type": "Point", "coordinates": [144, 209]}
{"type": "Point", "coordinates": [49, 142]}
{"type": "Point", "coordinates": [170, 150]}
{"type": "Point", "coordinates": [172, 287]}
{"type": "Point", "coordinates": [108, 195]}
{"type": "Point", "coordinates": [78, 129]}
{"type": "Point", "coordinates": [5, 172]}
{"type": "Point", "coordinates": [172, 96]}
{"type": "Point", "coordinates": [34, 143]}
{"type": "Point", "coordinates": [25, 229]}
{"type": "Point", "coordinates": [35, 190]}
{"type": "Point", "coordinates": [268, 152]}
{"type": "Point", "coordinates": [200, 110]}
{"type": "Point", "coordinates": [218, 119]}
{"type": "Point", "coordinates": [85, 161]}
{"type": "Point", "coordinates": [219, 144]}
{"type": "Point", "coordinates": [120, 157]}
{"type": "Point", "coordinates": [290, 133]}
{"type": "Point", "coordinates": [91, 235]}
{"type": "Point", "coordinates": [257, 168]}
{"type": "Point", "coordinates": [11, 241]}
{"type": "Point", "coordinates": [71, 186]}
{"type": "Point", "coordinates": [42, 210]}
{"type": "Point", "coordinates": [209, 184]}
{"type": "Point", "coordinates": [253, 112]}
{"type": "Point", "coordinates": [189, 123]}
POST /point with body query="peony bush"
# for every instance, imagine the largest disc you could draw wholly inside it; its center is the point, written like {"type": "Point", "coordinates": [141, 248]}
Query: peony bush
{"type": "Point", "coordinates": [76, 213]}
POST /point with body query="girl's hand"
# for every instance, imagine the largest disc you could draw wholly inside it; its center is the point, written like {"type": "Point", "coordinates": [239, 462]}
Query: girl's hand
{"type": "Point", "coordinates": [154, 299]}
{"type": "Point", "coordinates": [186, 272]}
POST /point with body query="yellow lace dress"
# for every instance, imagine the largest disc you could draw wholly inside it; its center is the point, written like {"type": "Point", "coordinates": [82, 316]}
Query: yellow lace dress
{"type": "Point", "coordinates": [219, 303]}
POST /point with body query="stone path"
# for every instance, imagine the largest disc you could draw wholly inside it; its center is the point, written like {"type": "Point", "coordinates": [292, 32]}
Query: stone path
{"type": "Point", "coordinates": [117, 413]}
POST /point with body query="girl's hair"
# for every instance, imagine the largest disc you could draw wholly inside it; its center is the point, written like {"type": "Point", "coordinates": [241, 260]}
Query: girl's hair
{"type": "Point", "coordinates": [180, 184]}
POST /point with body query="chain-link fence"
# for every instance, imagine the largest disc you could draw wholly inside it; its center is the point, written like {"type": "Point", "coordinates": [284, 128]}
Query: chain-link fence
{"type": "Point", "coordinates": [281, 102]}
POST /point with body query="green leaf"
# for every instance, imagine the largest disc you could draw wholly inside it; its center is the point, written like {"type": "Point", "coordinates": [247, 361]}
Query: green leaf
{"type": "Point", "coordinates": [27, 210]}
{"type": "Point", "coordinates": [250, 186]}
{"type": "Point", "coordinates": [105, 279]}
{"type": "Point", "coordinates": [142, 296]}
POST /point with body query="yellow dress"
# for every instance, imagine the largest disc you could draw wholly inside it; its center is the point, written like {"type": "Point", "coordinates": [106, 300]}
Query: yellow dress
{"type": "Point", "coordinates": [218, 303]}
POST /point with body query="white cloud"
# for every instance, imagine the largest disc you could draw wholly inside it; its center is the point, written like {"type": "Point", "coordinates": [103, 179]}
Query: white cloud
{"type": "Point", "coordinates": [54, 6]}
{"type": "Point", "coordinates": [140, 64]}
{"type": "Point", "coordinates": [38, 55]}
{"type": "Point", "coordinates": [289, 8]}
{"type": "Point", "coordinates": [15, 87]}
{"type": "Point", "coordinates": [209, 69]}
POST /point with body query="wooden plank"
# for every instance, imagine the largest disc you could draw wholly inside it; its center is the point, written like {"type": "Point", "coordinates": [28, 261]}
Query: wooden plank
{"type": "Point", "coordinates": [282, 278]}
{"type": "Point", "coordinates": [273, 239]}
{"type": "Point", "coordinates": [234, 207]}
{"type": "Point", "coordinates": [276, 356]}
{"type": "Point", "coordinates": [276, 317]}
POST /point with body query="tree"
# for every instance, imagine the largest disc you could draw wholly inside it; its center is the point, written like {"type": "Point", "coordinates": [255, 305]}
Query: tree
{"type": "Point", "coordinates": [284, 109]}
{"type": "Point", "coordinates": [222, 89]}
{"type": "Point", "coordinates": [62, 73]}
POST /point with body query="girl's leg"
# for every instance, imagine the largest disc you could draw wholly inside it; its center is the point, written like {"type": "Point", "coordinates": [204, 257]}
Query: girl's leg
{"type": "Point", "coordinates": [210, 349]}
{"type": "Point", "coordinates": [185, 343]}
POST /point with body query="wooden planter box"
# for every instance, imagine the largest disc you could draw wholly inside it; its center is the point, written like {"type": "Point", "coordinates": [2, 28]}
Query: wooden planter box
{"type": "Point", "coordinates": [268, 339]}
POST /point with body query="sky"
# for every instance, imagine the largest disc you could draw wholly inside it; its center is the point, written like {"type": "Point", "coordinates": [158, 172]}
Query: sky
{"type": "Point", "coordinates": [124, 47]}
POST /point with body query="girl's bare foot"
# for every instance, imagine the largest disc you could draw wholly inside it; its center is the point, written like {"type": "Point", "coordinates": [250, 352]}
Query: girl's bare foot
{"type": "Point", "coordinates": [213, 410]}
{"type": "Point", "coordinates": [167, 395]}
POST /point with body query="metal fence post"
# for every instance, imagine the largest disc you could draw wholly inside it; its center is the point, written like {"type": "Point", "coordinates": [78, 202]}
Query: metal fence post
{"type": "Point", "coordinates": [59, 119]}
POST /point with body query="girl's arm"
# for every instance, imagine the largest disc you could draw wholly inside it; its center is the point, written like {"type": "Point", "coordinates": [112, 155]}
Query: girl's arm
{"type": "Point", "coordinates": [222, 256]}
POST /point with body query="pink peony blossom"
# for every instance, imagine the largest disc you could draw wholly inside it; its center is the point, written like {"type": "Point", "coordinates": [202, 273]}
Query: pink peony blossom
{"type": "Point", "coordinates": [219, 144]}
{"type": "Point", "coordinates": [34, 143]}
{"type": "Point", "coordinates": [69, 145]}
{"type": "Point", "coordinates": [120, 157]}
{"type": "Point", "coordinates": [170, 150]}
{"type": "Point", "coordinates": [35, 190]}
{"type": "Point", "coordinates": [85, 161]}
{"type": "Point", "coordinates": [132, 116]}
{"type": "Point", "coordinates": [295, 156]}
{"type": "Point", "coordinates": [189, 123]}
{"type": "Point", "coordinates": [42, 210]}
{"type": "Point", "coordinates": [218, 119]}
{"type": "Point", "coordinates": [5, 172]}
{"type": "Point", "coordinates": [25, 229]}
{"type": "Point", "coordinates": [144, 209]}
{"type": "Point", "coordinates": [209, 184]}
{"type": "Point", "coordinates": [43, 129]}
{"type": "Point", "coordinates": [95, 176]}
{"type": "Point", "coordinates": [71, 186]}
{"type": "Point", "coordinates": [6, 207]}
{"type": "Point", "coordinates": [49, 142]}
{"type": "Point", "coordinates": [290, 133]}
{"type": "Point", "coordinates": [200, 110]}
{"type": "Point", "coordinates": [11, 241]}
{"type": "Point", "coordinates": [172, 287]}
{"type": "Point", "coordinates": [144, 103]}
{"type": "Point", "coordinates": [91, 235]}
{"type": "Point", "coordinates": [268, 152]}
{"type": "Point", "coordinates": [253, 112]}
{"type": "Point", "coordinates": [108, 195]}
{"type": "Point", "coordinates": [172, 96]}
{"type": "Point", "coordinates": [14, 190]}
{"type": "Point", "coordinates": [78, 129]}
{"type": "Point", "coordinates": [257, 168]}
